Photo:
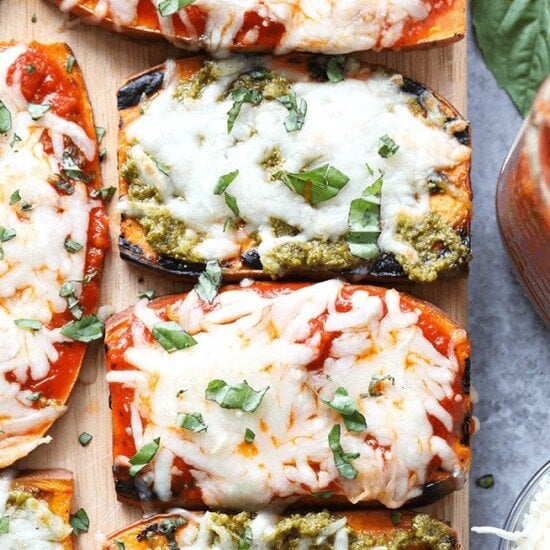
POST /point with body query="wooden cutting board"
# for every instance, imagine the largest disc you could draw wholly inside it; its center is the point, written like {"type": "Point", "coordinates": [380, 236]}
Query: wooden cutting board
{"type": "Point", "coordinates": [107, 59]}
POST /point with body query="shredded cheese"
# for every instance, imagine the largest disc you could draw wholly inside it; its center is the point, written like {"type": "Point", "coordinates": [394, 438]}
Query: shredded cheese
{"type": "Point", "coordinates": [268, 342]}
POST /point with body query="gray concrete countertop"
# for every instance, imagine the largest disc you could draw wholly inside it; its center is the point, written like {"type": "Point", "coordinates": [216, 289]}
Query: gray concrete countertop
{"type": "Point", "coordinates": [511, 346]}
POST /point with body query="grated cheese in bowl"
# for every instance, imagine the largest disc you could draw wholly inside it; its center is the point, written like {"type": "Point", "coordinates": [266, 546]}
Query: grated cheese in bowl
{"type": "Point", "coordinates": [528, 524]}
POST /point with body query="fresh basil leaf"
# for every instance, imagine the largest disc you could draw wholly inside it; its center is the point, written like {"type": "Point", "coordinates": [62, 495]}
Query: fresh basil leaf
{"type": "Point", "coordinates": [84, 438]}
{"type": "Point", "coordinates": [395, 517]}
{"type": "Point", "coordinates": [100, 133]}
{"type": "Point", "coordinates": [485, 482]}
{"type": "Point", "coordinates": [35, 396]}
{"type": "Point", "coordinates": [67, 289]}
{"type": "Point", "coordinates": [120, 545]}
{"type": "Point", "coordinates": [209, 281]}
{"type": "Point", "coordinates": [168, 528]}
{"type": "Point", "coordinates": [231, 202]}
{"type": "Point", "coordinates": [229, 222]}
{"type": "Point", "coordinates": [377, 379]}
{"type": "Point", "coordinates": [71, 169]}
{"type": "Point", "coordinates": [249, 435]}
{"type": "Point", "coordinates": [31, 324]}
{"type": "Point", "coordinates": [144, 456]}
{"type": "Point", "coordinates": [245, 542]}
{"type": "Point", "coordinates": [26, 207]}
{"type": "Point", "coordinates": [72, 246]}
{"type": "Point", "coordinates": [364, 222]}
{"type": "Point", "coordinates": [15, 197]}
{"type": "Point", "coordinates": [342, 403]}
{"type": "Point", "coordinates": [192, 422]}
{"type": "Point", "coordinates": [335, 68]}
{"type": "Point", "coordinates": [514, 39]}
{"type": "Point", "coordinates": [105, 193]}
{"type": "Point", "coordinates": [170, 7]}
{"type": "Point", "coordinates": [6, 234]}
{"type": "Point", "coordinates": [14, 139]}
{"type": "Point", "coordinates": [80, 522]}
{"type": "Point", "coordinates": [149, 294]}
{"type": "Point", "coordinates": [317, 185]}
{"type": "Point", "coordinates": [387, 147]}
{"type": "Point", "coordinates": [323, 494]}
{"type": "Point", "coordinates": [64, 185]}
{"type": "Point", "coordinates": [240, 96]}
{"type": "Point", "coordinates": [240, 396]}
{"type": "Point", "coordinates": [70, 63]}
{"type": "Point", "coordinates": [37, 111]}
{"type": "Point", "coordinates": [172, 337]}
{"type": "Point", "coordinates": [224, 181]}
{"type": "Point", "coordinates": [342, 460]}
{"type": "Point", "coordinates": [297, 114]}
{"type": "Point", "coordinates": [164, 168]}
{"type": "Point", "coordinates": [4, 525]}
{"type": "Point", "coordinates": [87, 329]}
{"type": "Point", "coordinates": [5, 119]}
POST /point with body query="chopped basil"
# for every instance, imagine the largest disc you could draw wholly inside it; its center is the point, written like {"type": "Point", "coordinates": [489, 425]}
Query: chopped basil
{"type": "Point", "coordinates": [144, 456]}
{"type": "Point", "coordinates": [149, 294]}
{"type": "Point", "coordinates": [323, 494]}
{"type": "Point", "coordinates": [100, 133]}
{"type": "Point", "coordinates": [387, 147]}
{"type": "Point", "coordinates": [249, 435]}
{"type": "Point", "coordinates": [395, 517]}
{"type": "Point", "coordinates": [241, 396]}
{"type": "Point", "coordinates": [342, 460]}
{"type": "Point", "coordinates": [297, 114]}
{"type": "Point", "coordinates": [229, 222]}
{"type": "Point", "coordinates": [31, 324]}
{"type": "Point", "coordinates": [67, 289]}
{"type": "Point", "coordinates": [169, 7]}
{"type": "Point", "coordinates": [72, 246]}
{"type": "Point", "coordinates": [84, 438]}
{"type": "Point", "coordinates": [26, 206]}
{"type": "Point", "coordinates": [224, 181]}
{"type": "Point", "coordinates": [30, 68]}
{"type": "Point", "coordinates": [80, 522]}
{"type": "Point", "coordinates": [240, 96]}
{"type": "Point", "coordinates": [168, 528]}
{"type": "Point", "coordinates": [377, 379]}
{"type": "Point", "coordinates": [180, 393]}
{"type": "Point", "coordinates": [102, 153]}
{"type": "Point", "coordinates": [245, 542]}
{"type": "Point", "coordinates": [35, 396]}
{"type": "Point", "coordinates": [172, 337]}
{"type": "Point", "coordinates": [164, 168]}
{"type": "Point", "coordinates": [120, 545]}
{"type": "Point", "coordinates": [335, 68]}
{"type": "Point", "coordinates": [364, 222]}
{"type": "Point", "coordinates": [38, 111]}
{"type": "Point", "coordinates": [6, 234]}
{"type": "Point", "coordinates": [15, 197]}
{"type": "Point", "coordinates": [369, 169]}
{"type": "Point", "coordinates": [192, 422]}
{"type": "Point", "coordinates": [485, 482]}
{"type": "Point", "coordinates": [345, 405]}
{"type": "Point", "coordinates": [15, 137]}
{"type": "Point", "coordinates": [87, 329]}
{"type": "Point", "coordinates": [70, 63]}
{"type": "Point", "coordinates": [5, 119]}
{"type": "Point", "coordinates": [4, 525]}
{"type": "Point", "coordinates": [209, 281]}
{"type": "Point", "coordinates": [317, 185]}
{"type": "Point", "coordinates": [231, 202]}
{"type": "Point", "coordinates": [105, 193]}
{"type": "Point", "coordinates": [63, 185]}
{"type": "Point", "coordinates": [71, 169]}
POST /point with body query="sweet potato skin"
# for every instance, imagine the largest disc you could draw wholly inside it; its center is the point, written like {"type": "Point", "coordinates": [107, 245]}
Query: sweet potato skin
{"type": "Point", "coordinates": [372, 522]}
{"type": "Point", "coordinates": [447, 27]}
{"type": "Point", "coordinates": [433, 322]}
{"type": "Point", "coordinates": [14, 448]}
{"type": "Point", "coordinates": [134, 247]}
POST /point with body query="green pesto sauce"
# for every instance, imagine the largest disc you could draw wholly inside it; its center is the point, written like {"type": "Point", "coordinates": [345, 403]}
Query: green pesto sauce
{"type": "Point", "coordinates": [439, 248]}
{"type": "Point", "coordinates": [426, 532]}
{"type": "Point", "coordinates": [138, 191]}
{"type": "Point", "coordinates": [192, 88]}
{"type": "Point", "coordinates": [282, 229]}
{"type": "Point", "coordinates": [315, 254]}
{"type": "Point", "coordinates": [273, 161]}
{"type": "Point", "coordinates": [271, 85]}
{"type": "Point", "coordinates": [17, 498]}
{"type": "Point", "coordinates": [166, 235]}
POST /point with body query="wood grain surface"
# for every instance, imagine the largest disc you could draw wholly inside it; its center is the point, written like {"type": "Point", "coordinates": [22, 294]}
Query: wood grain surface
{"type": "Point", "coordinates": [107, 59]}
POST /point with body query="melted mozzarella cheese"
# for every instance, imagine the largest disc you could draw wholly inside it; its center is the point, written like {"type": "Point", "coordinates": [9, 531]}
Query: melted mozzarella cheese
{"type": "Point", "coordinates": [32, 525]}
{"type": "Point", "coordinates": [268, 343]}
{"type": "Point", "coordinates": [189, 135]}
{"type": "Point", "coordinates": [35, 262]}
{"type": "Point", "coordinates": [325, 26]}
